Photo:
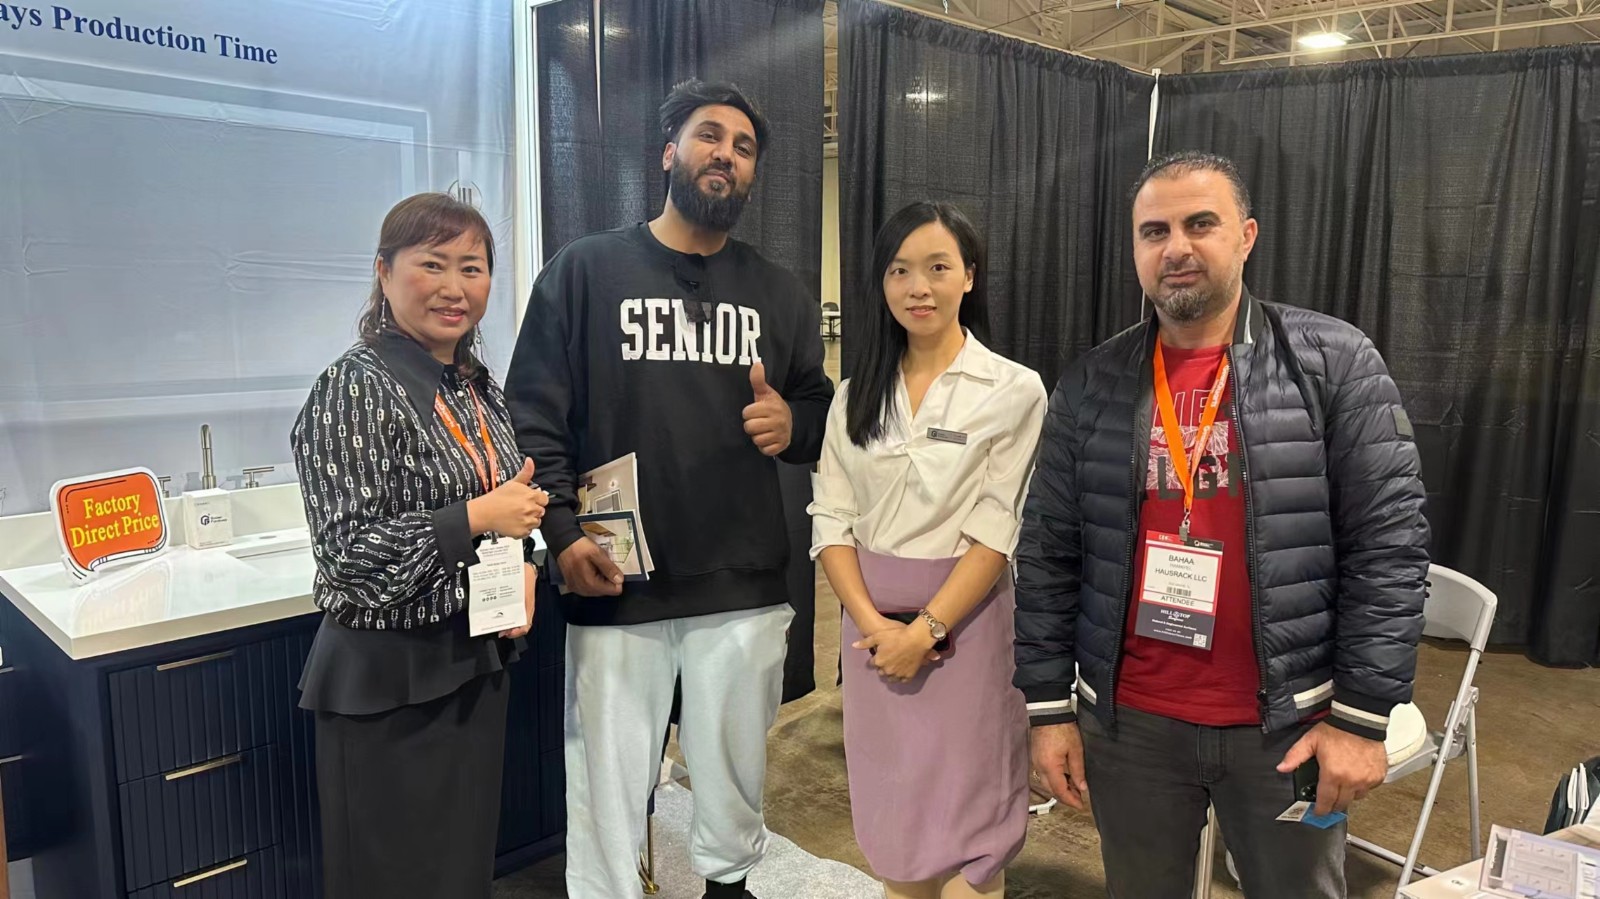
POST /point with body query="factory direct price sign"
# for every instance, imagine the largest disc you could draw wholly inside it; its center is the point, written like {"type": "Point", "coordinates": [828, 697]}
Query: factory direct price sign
{"type": "Point", "coordinates": [108, 518]}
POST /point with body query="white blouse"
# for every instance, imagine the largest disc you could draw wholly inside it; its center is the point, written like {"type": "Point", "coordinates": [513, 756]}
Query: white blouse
{"type": "Point", "coordinates": [911, 495]}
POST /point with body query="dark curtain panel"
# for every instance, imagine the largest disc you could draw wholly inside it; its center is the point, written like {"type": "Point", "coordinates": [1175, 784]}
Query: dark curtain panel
{"type": "Point", "coordinates": [1451, 209]}
{"type": "Point", "coordinates": [600, 156]}
{"type": "Point", "coordinates": [1038, 147]}
{"type": "Point", "coordinates": [572, 200]}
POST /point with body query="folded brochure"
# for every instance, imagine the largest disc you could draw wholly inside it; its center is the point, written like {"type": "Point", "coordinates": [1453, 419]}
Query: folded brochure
{"type": "Point", "coordinates": [608, 513]}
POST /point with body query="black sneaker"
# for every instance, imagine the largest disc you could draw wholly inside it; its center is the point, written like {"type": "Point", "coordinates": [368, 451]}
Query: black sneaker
{"type": "Point", "coordinates": [716, 890]}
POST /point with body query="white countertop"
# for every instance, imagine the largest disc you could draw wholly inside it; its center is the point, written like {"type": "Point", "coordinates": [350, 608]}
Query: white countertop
{"type": "Point", "coordinates": [260, 577]}
{"type": "Point", "coordinates": [181, 594]}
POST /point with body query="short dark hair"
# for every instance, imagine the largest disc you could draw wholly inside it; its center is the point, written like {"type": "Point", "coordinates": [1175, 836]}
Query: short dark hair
{"type": "Point", "coordinates": [1186, 161]}
{"type": "Point", "coordinates": [876, 369]}
{"type": "Point", "coordinates": [694, 94]}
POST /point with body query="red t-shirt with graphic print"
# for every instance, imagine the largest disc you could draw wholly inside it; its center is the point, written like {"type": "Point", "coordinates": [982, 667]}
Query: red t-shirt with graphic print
{"type": "Point", "coordinates": [1217, 686]}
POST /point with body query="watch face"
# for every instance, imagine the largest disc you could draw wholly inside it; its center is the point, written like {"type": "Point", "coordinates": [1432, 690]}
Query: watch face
{"type": "Point", "coordinates": [940, 632]}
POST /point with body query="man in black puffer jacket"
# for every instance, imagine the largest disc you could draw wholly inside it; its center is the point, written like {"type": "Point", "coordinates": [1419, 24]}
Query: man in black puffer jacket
{"type": "Point", "coordinates": [1222, 563]}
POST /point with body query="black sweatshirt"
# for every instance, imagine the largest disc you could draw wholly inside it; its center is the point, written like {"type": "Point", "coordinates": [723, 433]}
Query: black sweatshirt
{"type": "Point", "coordinates": [631, 347]}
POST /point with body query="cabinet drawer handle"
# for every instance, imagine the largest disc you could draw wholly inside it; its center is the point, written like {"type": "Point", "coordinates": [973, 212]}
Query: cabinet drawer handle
{"type": "Point", "coordinates": [225, 654]}
{"type": "Point", "coordinates": [230, 866]}
{"type": "Point", "coordinates": [208, 766]}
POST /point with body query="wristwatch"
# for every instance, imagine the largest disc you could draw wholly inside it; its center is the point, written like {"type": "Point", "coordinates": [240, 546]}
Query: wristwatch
{"type": "Point", "coordinates": [934, 625]}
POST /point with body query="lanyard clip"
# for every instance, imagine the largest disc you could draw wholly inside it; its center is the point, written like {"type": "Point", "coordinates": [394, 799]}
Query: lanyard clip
{"type": "Point", "coordinates": [1183, 529]}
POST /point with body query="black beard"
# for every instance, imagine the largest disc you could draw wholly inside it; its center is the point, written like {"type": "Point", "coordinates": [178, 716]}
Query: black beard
{"type": "Point", "coordinates": [1186, 305]}
{"type": "Point", "coordinates": [709, 211]}
{"type": "Point", "coordinates": [1183, 306]}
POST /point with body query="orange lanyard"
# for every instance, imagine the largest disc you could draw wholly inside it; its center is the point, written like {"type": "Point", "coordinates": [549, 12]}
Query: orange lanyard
{"type": "Point", "coordinates": [1188, 469]}
{"type": "Point", "coordinates": [490, 476]}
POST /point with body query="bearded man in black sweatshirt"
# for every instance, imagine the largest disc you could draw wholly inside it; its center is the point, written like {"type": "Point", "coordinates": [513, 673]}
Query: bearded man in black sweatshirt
{"type": "Point", "coordinates": [675, 342]}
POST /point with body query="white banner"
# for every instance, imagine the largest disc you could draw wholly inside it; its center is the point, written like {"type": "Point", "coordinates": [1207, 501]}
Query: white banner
{"type": "Point", "coordinates": [190, 196]}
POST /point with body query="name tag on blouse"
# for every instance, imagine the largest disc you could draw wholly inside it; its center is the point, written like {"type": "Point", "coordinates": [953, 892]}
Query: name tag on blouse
{"type": "Point", "coordinates": [957, 437]}
{"type": "Point", "coordinates": [496, 590]}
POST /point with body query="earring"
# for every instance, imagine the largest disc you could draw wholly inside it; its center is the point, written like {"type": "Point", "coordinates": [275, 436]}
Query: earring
{"type": "Point", "coordinates": [384, 318]}
{"type": "Point", "coordinates": [477, 343]}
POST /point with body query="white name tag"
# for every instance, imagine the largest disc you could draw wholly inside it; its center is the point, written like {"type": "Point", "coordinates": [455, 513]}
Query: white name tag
{"type": "Point", "coordinates": [496, 591]}
{"type": "Point", "coordinates": [1179, 600]}
{"type": "Point", "coordinates": [1295, 813]}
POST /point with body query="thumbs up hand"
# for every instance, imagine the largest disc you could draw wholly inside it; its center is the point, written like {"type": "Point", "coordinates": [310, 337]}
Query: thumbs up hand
{"type": "Point", "coordinates": [768, 420]}
{"type": "Point", "coordinates": [514, 509]}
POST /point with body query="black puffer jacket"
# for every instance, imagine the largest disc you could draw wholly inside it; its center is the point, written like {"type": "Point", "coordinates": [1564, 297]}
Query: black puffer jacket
{"type": "Point", "coordinates": [1337, 540]}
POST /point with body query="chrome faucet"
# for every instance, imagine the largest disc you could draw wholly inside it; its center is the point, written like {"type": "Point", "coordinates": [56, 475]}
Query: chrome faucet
{"type": "Point", "coordinates": [208, 476]}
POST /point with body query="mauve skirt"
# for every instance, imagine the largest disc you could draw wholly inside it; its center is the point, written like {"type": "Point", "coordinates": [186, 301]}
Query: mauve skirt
{"type": "Point", "coordinates": [938, 766]}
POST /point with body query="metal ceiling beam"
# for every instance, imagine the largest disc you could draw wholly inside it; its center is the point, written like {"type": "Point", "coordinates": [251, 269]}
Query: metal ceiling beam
{"type": "Point", "coordinates": [1033, 11]}
{"type": "Point", "coordinates": [997, 28]}
{"type": "Point", "coordinates": [1126, 18]}
{"type": "Point", "coordinates": [1495, 30]}
{"type": "Point", "coordinates": [1276, 20]}
{"type": "Point", "coordinates": [1448, 23]}
{"type": "Point", "coordinates": [1195, 21]}
{"type": "Point", "coordinates": [1171, 55]}
{"type": "Point", "coordinates": [1582, 28]}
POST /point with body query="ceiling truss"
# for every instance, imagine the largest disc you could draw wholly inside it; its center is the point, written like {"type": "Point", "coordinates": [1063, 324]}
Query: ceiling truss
{"type": "Point", "coordinates": [1180, 36]}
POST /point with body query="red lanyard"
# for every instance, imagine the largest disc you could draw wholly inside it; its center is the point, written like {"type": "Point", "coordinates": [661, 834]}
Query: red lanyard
{"type": "Point", "coordinates": [490, 476]}
{"type": "Point", "coordinates": [1188, 469]}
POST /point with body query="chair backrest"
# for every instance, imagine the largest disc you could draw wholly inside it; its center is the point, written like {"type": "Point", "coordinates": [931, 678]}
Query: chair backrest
{"type": "Point", "coordinates": [1458, 607]}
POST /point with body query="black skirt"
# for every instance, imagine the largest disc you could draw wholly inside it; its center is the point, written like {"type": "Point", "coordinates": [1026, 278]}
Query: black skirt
{"type": "Point", "coordinates": [411, 797]}
{"type": "Point", "coordinates": [411, 732]}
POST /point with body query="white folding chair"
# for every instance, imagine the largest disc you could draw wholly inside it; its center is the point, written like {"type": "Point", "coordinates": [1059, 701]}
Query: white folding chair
{"type": "Point", "coordinates": [1457, 608]}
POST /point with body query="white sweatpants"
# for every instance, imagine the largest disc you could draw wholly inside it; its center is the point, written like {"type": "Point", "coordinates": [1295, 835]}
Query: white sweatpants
{"type": "Point", "coordinates": [619, 699]}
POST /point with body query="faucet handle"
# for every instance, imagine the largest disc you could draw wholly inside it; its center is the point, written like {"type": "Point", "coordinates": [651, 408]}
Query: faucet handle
{"type": "Point", "coordinates": [250, 475]}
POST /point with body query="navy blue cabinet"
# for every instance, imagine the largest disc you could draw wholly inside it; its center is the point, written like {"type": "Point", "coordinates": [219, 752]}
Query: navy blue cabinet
{"type": "Point", "coordinates": [187, 771]}
{"type": "Point", "coordinates": [258, 875]}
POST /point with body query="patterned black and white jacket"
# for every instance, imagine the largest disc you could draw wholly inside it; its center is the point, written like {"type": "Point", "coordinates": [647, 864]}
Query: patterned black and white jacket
{"type": "Point", "coordinates": [386, 485]}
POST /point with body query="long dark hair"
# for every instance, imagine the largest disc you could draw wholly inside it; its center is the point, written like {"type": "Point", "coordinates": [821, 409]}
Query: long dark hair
{"type": "Point", "coordinates": [425, 220]}
{"type": "Point", "coordinates": [876, 369]}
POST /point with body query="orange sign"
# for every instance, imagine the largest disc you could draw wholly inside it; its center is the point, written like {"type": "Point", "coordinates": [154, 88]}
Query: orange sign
{"type": "Point", "coordinates": [108, 518]}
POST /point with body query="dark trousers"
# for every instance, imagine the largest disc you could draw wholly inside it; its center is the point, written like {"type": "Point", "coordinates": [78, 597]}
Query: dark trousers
{"type": "Point", "coordinates": [1150, 785]}
{"type": "Point", "coordinates": [411, 797]}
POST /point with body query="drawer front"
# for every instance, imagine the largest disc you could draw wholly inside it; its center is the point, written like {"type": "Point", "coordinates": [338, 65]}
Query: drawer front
{"type": "Point", "coordinates": [521, 784]}
{"type": "Point", "coordinates": [10, 715]}
{"type": "Point", "coordinates": [553, 796]}
{"type": "Point", "coordinates": [258, 875]}
{"type": "Point", "coordinates": [192, 710]}
{"type": "Point", "coordinates": [13, 778]}
{"type": "Point", "coordinates": [549, 638]}
{"type": "Point", "coordinates": [197, 818]}
{"type": "Point", "coordinates": [552, 705]}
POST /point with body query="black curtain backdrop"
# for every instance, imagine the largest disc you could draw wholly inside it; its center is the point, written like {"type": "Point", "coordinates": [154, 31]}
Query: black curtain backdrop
{"type": "Point", "coordinates": [600, 158]}
{"type": "Point", "coordinates": [1450, 208]}
{"type": "Point", "coordinates": [1037, 146]}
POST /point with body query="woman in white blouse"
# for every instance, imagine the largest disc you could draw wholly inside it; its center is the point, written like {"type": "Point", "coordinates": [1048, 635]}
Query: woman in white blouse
{"type": "Point", "coordinates": [929, 446]}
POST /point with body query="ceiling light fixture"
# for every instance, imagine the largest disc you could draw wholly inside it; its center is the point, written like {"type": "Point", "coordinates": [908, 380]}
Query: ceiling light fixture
{"type": "Point", "coordinates": [1324, 40]}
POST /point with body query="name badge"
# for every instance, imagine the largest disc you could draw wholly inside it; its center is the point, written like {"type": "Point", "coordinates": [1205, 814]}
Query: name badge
{"type": "Point", "coordinates": [958, 437]}
{"type": "Point", "coordinates": [1178, 602]}
{"type": "Point", "coordinates": [497, 597]}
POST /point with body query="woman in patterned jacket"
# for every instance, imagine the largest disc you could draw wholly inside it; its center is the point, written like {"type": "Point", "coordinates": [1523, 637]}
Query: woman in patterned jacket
{"type": "Point", "coordinates": [408, 463]}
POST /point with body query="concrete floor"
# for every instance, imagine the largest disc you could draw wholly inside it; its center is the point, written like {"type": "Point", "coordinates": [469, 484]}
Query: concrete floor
{"type": "Point", "coordinates": [1534, 723]}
